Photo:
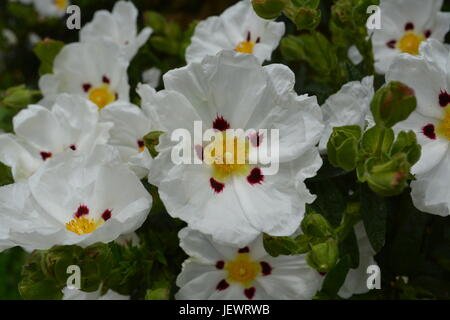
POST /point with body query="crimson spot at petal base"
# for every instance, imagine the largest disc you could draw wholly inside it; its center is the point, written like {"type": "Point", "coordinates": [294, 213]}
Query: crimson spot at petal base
{"type": "Point", "coordinates": [266, 269]}
{"type": "Point", "coordinates": [428, 131]}
{"type": "Point", "coordinates": [255, 176]}
{"type": "Point", "coordinates": [216, 185]}
{"type": "Point", "coordinates": [220, 264]}
{"type": "Point", "coordinates": [106, 215]}
{"type": "Point", "coordinates": [444, 98]}
{"type": "Point", "coordinates": [250, 293]}
{"type": "Point", "coordinates": [244, 250]}
{"type": "Point", "coordinates": [82, 211]}
{"type": "Point", "coordinates": [222, 285]}
{"type": "Point", "coordinates": [221, 124]}
{"type": "Point", "coordinates": [45, 155]}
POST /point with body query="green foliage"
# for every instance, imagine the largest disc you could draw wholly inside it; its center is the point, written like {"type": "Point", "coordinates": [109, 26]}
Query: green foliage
{"type": "Point", "coordinates": [47, 50]}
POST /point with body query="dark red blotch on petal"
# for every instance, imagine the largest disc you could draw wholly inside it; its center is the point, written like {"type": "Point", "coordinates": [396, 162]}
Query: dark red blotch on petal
{"type": "Point", "coordinates": [444, 98]}
{"type": "Point", "coordinates": [255, 139]}
{"type": "Point", "coordinates": [105, 79]}
{"type": "Point", "coordinates": [106, 215]}
{"type": "Point", "coordinates": [220, 264]}
{"type": "Point", "coordinates": [86, 87]}
{"type": "Point", "coordinates": [427, 33]}
{"type": "Point", "coordinates": [255, 176]}
{"type": "Point", "coordinates": [428, 131]}
{"type": "Point", "coordinates": [82, 211]}
{"type": "Point", "coordinates": [266, 268]}
{"type": "Point", "coordinates": [409, 26]}
{"type": "Point", "coordinates": [216, 185]}
{"type": "Point", "coordinates": [222, 285]}
{"type": "Point", "coordinates": [221, 124]}
{"type": "Point", "coordinates": [141, 143]}
{"type": "Point", "coordinates": [45, 155]}
{"type": "Point", "coordinates": [250, 292]}
{"type": "Point", "coordinates": [244, 250]}
{"type": "Point", "coordinates": [391, 44]}
{"type": "Point", "coordinates": [73, 147]}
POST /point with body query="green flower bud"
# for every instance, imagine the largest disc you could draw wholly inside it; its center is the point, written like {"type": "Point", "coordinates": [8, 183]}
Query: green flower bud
{"type": "Point", "coordinates": [315, 225]}
{"type": "Point", "coordinates": [342, 147]}
{"type": "Point", "coordinates": [407, 143]}
{"type": "Point", "coordinates": [307, 18]}
{"type": "Point", "coordinates": [393, 103]}
{"type": "Point", "coordinates": [18, 97]}
{"type": "Point", "coordinates": [269, 9]}
{"type": "Point", "coordinates": [323, 256]}
{"type": "Point", "coordinates": [388, 178]}
{"type": "Point", "coordinates": [377, 141]}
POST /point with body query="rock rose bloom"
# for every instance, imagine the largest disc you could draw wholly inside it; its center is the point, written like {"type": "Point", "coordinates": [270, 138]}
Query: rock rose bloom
{"type": "Point", "coordinates": [71, 125]}
{"type": "Point", "coordinates": [118, 26]}
{"type": "Point", "coordinates": [235, 200]}
{"type": "Point", "coordinates": [51, 8]}
{"type": "Point", "coordinates": [94, 70]}
{"type": "Point", "coordinates": [74, 200]}
{"type": "Point", "coordinates": [404, 25]}
{"type": "Point", "coordinates": [219, 272]}
{"type": "Point", "coordinates": [238, 28]}
{"type": "Point", "coordinates": [429, 76]}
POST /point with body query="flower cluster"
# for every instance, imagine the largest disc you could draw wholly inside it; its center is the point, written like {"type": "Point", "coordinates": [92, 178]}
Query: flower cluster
{"type": "Point", "coordinates": [253, 184]}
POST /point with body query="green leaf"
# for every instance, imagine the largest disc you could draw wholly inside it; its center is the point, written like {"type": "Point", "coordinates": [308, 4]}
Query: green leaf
{"type": "Point", "coordinates": [374, 213]}
{"type": "Point", "coordinates": [47, 50]}
{"type": "Point", "coordinates": [336, 277]}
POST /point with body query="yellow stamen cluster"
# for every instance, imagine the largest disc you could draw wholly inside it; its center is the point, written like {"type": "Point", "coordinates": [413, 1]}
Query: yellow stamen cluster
{"type": "Point", "coordinates": [228, 155]}
{"type": "Point", "coordinates": [61, 4]}
{"type": "Point", "coordinates": [443, 129]}
{"type": "Point", "coordinates": [83, 225]}
{"type": "Point", "coordinates": [410, 43]}
{"type": "Point", "coordinates": [102, 96]}
{"type": "Point", "coordinates": [242, 270]}
{"type": "Point", "coordinates": [245, 47]}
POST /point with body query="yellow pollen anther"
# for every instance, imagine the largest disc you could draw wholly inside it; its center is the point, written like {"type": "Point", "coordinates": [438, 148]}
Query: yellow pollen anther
{"type": "Point", "coordinates": [245, 47]}
{"type": "Point", "coordinates": [242, 270]}
{"type": "Point", "coordinates": [228, 155]}
{"type": "Point", "coordinates": [102, 96]}
{"type": "Point", "coordinates": [61, 4]}
{"type": "Point", "coordinates": [443, 129]}
{"type": "Point", "coordinates": [410, 43]}
{"type": "Point", "coordinates": [83, 225]}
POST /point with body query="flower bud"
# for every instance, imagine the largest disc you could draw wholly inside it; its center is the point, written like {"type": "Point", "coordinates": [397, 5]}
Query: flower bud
{"type": "Point", "coordinates": [393, 103]}
{"type": "Point", "coordinates": [388, 178]}
{"type": "Point", "coordinates": [307, 18]}
{"type": "Point", "coordinates": [315, 225]}
{"type": "Point", "coordinates": [323, 256]}
{"type": "Point", "coordinates": [269, 9]}
{"type": "Point", "coordinates": [342, 147]}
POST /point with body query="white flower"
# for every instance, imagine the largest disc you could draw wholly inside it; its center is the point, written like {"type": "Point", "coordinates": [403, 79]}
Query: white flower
{"type": "Point", "coordinates": [356, 280]}
{"type": "Point", "coordinates": [96, 71]}
{"type": "Point", "coordinates": [429, 76]}
{"type": "Point", "coordinates": [119, 26]}
{"type": "Point", "coordinates": [231, 201]}
{"type": "Point", "coordinates": [51, 8]}
{"type": "Point", "coordinates": [237, 28]}
{"type": "Point", "coordinates": [152, 77]}
{"type": "Point", "coordinates": [218, 272]}
{"type": "Point", "coordinates": [75, 294]}
{"type": "Point", "coordinates": [70, 125]}
{"type": "Point", "coordinates": [74, 200]}
{"type": "Point", "coordinates": [131, 124]}
{"type": "Point", "coordinates": [404, 25]}
{"type": "Point", "coordinates": [349, 106]}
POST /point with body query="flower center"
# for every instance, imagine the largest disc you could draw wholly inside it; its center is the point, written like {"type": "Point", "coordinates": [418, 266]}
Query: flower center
{"type": "Point", "coordinates": [443, 129]}
{"type": "Point", "coordinates": [61, 4]}
{"type": "Point", "coordinates": [102, 96]}
{"type": "Point", "coordinates": [410, 43]}
{"type": "Point", "coordinates": [83, 225]}
{"type": "Point", "coordinates": [228, 155]}
{"type": "Point", "coordinates": [245, 47]}
{"type": "Point", "coordinates": [242, 270]}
